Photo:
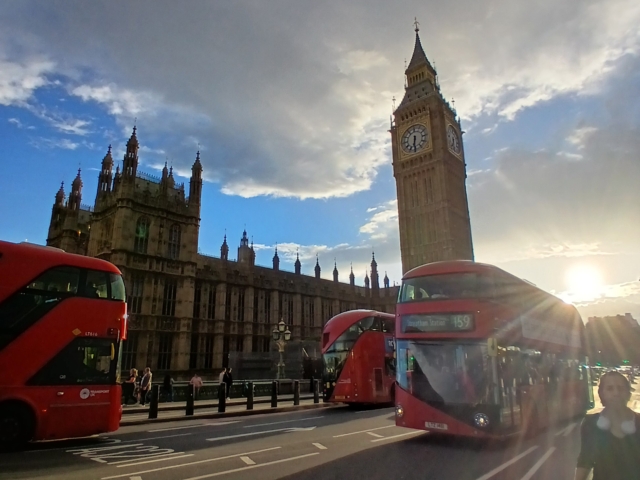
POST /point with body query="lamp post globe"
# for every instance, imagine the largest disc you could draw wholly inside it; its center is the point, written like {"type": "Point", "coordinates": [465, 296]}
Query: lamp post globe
{"type": "Point", "coordinates": [281, 326]}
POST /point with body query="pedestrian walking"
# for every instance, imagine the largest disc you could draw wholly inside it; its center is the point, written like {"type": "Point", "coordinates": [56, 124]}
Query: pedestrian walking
{"type": "Point", "coordinates": [129, 387]}
{"type": "Point", "coordinates": [228, 380]}
{"type": "Point", "coordinates": [611, 439]}
{"type": "Point", "coordinates": [145, 385]}
{"type": "Point", "coordinates": [196, 381]}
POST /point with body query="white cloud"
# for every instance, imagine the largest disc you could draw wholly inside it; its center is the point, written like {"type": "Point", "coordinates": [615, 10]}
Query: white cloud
{"type": "Point", "coordinates": [119, 101]}
{"type": "Point", "coordinates": [48, 143]}
{"type": "Point", "coordinates": [383, 223]}
{"type": "Point", "coordinates": [580, 135]}
{"type": "Point", "coordinates": [18, 81]}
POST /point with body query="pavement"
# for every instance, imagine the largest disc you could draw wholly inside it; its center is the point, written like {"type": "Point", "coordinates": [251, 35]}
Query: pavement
{"type": "Point", "coordinates": [172, 411]}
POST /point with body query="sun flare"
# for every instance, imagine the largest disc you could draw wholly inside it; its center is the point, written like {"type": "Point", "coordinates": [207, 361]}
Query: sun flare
{"type": "Point", "coordinates": [584, 282]}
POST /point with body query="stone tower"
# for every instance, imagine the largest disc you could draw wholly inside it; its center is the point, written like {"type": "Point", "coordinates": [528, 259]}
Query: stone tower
{"type": "Point", "coordinates": [430, 170]}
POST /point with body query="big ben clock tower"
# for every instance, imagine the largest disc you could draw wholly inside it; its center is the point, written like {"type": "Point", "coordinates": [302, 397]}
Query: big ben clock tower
{"type": "Point", "coordinates": [430, 171]}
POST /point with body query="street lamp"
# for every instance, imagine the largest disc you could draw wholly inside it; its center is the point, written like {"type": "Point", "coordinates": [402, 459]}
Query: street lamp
{"type": "Point", "coordinates": [281, 334]}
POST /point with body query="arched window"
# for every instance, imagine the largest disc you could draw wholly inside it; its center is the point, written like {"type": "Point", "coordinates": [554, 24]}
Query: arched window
{"type": "Point", "coordinates": [141, 240]}
{"type": "Point", "coordinates": [174, 242]}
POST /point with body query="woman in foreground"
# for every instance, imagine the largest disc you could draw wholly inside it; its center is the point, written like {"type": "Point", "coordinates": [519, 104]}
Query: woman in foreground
{"type": "Point", "coordinates": [611, 439]}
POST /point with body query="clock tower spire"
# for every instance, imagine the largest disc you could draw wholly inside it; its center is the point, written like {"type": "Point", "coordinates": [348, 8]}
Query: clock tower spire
{"type": "Point", "coordinates": [430, 170]}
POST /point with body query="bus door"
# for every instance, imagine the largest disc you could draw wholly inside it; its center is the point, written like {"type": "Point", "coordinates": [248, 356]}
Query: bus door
{"type": "Point", "coordinates": [78, 387]}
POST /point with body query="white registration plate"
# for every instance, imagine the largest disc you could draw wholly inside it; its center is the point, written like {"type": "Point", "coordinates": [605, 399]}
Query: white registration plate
{"type": "Point", "coordinates": [436, 426]}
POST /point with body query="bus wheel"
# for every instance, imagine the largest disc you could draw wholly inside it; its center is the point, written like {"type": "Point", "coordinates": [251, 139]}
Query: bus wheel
{"type": "Point", "coordinates": [17, 426]}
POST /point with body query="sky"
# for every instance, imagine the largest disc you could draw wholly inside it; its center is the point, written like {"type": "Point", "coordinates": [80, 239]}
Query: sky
{"type": "Point", "coordinates": [289, 103]}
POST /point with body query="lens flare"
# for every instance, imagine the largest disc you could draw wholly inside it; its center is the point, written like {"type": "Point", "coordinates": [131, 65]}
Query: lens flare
{"type": "Point", "coordinates": [584, 283]}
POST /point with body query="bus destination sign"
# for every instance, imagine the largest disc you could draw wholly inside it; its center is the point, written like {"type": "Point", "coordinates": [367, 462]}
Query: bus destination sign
{"type": "Point", "coordinates": [425, 323]}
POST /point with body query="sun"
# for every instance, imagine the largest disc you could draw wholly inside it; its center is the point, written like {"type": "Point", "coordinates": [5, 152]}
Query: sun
{"type": "Point", "coordinates": [584, 282]}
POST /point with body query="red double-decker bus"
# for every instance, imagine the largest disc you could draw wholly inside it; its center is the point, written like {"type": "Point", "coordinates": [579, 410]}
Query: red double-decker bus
{"type": "Point", "coordinates": [358, 357]}
{"type": "Point", "coordinates": [482, 353]}
{"type": "Point", "coordinates": [62, 321]}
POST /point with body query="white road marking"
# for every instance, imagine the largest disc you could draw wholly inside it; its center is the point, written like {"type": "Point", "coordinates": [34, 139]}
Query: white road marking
{"type": "Point", "coordinates": [375, 435]}
{"type": "Point", "coordinates": [506, 464]}
{"type": "Point", "coordinates": [135, 478]}
{"type": "Point", "coordinates": [217, 474]}
{"type": "Point", "coordinates": [101, 449]}
{"type": "Point", "coordinates": [145, 458]}
{"type": "Point", "coordinates": [538, 464]}
{"type": "Point", "coordinates": [156, 438]}
{"type": "Point", "coordinates": [156, 460]}
{"type": "Point", "coordinates": [284, 421]}
{"type": "Point", "coordinates": [122, 456]}
{"type": "Point", "coordinates": [319, 445]}
{"type": "Point", "coordinates": [247, 460]}
{"type": "Point", "coordinates": [397, 436]}
{"type": "Point", "coordinates": [191, 463]}
{"type": "Point", "coordinates": [240, 435]}
{"type": "Point", "coordinates": [566, 430]}
{"type": "Point", "coordinates": [362, 431]}
{"type": "Point", "coordinates": [193, 426]}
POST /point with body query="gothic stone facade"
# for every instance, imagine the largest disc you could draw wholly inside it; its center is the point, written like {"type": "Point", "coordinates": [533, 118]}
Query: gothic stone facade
{"type": "Point", "coordinates": [430, 171]}
{"type": "Point", "coordinates": [188, 311]}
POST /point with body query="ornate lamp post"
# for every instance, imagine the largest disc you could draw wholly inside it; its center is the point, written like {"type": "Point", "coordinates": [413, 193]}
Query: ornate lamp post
{"type": "Point", "coordinates": [281, 334]}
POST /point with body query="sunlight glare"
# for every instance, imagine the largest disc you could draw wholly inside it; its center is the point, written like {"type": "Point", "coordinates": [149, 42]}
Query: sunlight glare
{"type": "Point", "coordinates": [584, 282]}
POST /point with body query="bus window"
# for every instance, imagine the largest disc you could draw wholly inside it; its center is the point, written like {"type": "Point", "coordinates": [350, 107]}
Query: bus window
{"type": "Point", "coordinates": [388, 326]}
{"type": "Point", "coordinates": [96, 284]}
{"type": "Point", "coordinates": [117, 287]}
{"type": "Point", "coordinates": [60, 279]}
{"type": "Point", "coordinates": [446, 286]}
{"type": "Point", "coordinates": [369, 323]}
{"type": "Point", "coordinates": [27, 306]}
{"type": "Point", "coordinates": [85, 361]}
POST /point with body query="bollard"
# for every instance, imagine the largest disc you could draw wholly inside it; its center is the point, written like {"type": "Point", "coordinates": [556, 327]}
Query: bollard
{"type": "Point", "coordinates": [311, 384]}
{"type": "Point", "coordinates": [296, 392]}
{"type": "Point", "coordinates": [274, 394]}
{"type": "Point", "coordinates": [316, 391]}
{"type": "Point", "coordinates": [190, 399]}
{"type": "Point", "coordinates": [222, 397]}
{"type": "Point", "coordinates": [153, 401]}
{"type": "Point", "coordinates": [250, 396]}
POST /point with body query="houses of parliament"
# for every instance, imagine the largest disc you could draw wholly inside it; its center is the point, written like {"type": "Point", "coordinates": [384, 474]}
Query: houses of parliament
{"type": "Point", "coordinates": [188, 311]}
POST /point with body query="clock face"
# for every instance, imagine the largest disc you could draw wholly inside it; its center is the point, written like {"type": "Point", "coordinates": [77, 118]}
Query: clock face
{"type": "Point", "coordinates": [453, 140]}
{"type": "Point", "coordinates": [415, 138]}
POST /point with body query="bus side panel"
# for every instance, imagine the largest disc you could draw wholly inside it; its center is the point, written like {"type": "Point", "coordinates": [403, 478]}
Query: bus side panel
{"type": "Point", "coordinates": [75, 414]}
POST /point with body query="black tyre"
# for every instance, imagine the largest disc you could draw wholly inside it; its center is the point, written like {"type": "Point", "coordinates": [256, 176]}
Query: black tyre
{"type": "Point", "coordinates": [17, 426]}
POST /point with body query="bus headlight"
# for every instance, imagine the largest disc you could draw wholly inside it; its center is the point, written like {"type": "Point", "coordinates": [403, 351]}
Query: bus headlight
{"type": "Point", "coordinates": [399, 411]}
{"type": "Point", "coordinates": [481, 420]}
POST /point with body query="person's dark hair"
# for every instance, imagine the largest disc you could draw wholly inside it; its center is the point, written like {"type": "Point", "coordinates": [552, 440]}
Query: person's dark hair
{"type": "Point", "coordinates": [611, 374]}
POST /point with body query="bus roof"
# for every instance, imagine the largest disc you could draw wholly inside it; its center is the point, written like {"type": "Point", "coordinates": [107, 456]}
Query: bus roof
{"type": "Point", "coordinates": [338, 324]}
{"type": "Point", "coordinates": [450, 266]}
{"type": "Point", "coordinates": [469, 266]}
{"type": "Point", "coordinates": [22, 262]}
